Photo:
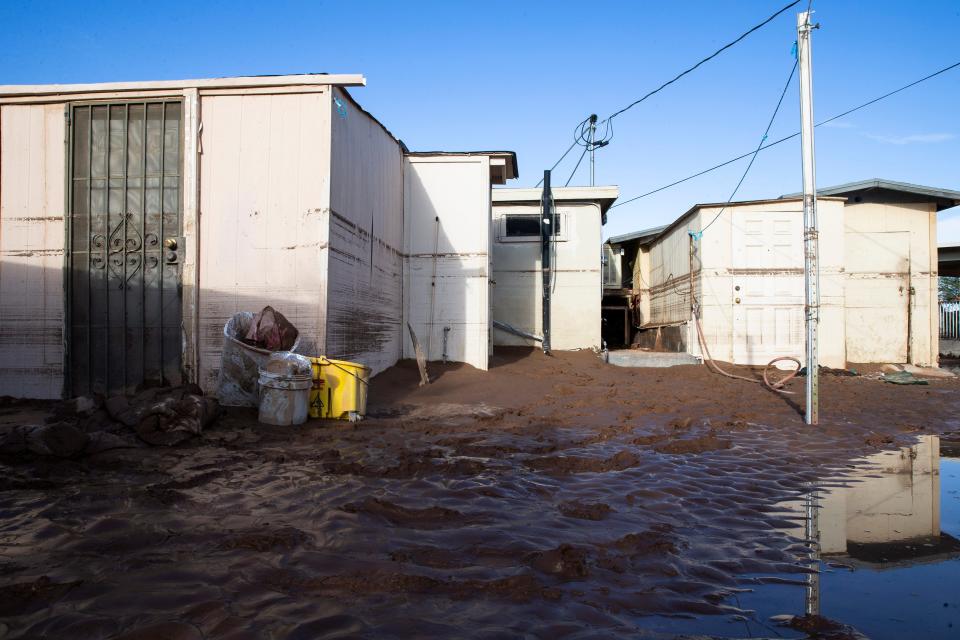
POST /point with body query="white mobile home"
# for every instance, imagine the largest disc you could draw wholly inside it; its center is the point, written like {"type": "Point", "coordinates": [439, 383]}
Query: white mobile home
{"type": "Point", "coordinates": [137, 217]}
{"type": "Point", "coordinates": [577, 284]}
{"type": "Point", "coordinates": [878, 277]}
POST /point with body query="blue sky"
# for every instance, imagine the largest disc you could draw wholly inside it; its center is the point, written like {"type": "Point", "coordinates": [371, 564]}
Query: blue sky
{"type": "Point", "coordinates": [520, 75]}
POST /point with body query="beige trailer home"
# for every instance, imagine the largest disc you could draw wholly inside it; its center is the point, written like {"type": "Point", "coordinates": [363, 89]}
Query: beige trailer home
{"type": "Point", "coordinates": [878, 277]}
{"type": "Point", "coordinates": [137, 217]}
{"type": "Point", "coordinates": [577, 284]}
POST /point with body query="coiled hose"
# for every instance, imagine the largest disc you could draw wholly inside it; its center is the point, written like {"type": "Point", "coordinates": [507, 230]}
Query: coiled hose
{"type": "Point", "coordinates": [776, 385]}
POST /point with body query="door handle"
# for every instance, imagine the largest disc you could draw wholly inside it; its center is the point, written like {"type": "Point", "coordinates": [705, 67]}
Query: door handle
{"type": "Point", "coordinates": [172, 246]}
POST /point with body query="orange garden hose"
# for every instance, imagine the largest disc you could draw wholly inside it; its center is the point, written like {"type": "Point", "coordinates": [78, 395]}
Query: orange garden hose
{"type": "Point", "coordinates": [774, 386]}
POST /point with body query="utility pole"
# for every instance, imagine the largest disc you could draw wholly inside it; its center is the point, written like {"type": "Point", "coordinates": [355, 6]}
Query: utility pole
{"type": "Point", "coordinates": [811, 265]}
{"type": "Point", "coordinates": [593, 136]}
{"type": "Point", "coordinates": [546, 236]}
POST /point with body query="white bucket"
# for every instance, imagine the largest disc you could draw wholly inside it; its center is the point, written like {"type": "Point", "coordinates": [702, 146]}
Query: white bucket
{"type": "Point", "coordinates": [284, 400]}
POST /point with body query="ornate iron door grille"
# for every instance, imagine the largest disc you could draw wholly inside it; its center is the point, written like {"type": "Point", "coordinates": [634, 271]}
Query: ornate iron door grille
{"type": "Point", "coordinates": [124, 245]}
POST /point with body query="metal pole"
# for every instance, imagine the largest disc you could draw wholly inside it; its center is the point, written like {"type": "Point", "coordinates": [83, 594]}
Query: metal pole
{"type": "Point", "coordinates": [593, 135]}
{"type": "Point", "coordinates": [812, 534]}
{"type": "Point", "coordinates": [811, 267]}
{"type": "Point", "coordinates": [546, 235]}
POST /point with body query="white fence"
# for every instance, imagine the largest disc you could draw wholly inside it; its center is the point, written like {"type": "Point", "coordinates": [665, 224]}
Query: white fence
{"type": "Point", "coordinates": [950, 320]}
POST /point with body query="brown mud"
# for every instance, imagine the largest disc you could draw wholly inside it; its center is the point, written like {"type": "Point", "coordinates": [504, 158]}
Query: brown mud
{"type": "Point", "coordinates": [549, 497]}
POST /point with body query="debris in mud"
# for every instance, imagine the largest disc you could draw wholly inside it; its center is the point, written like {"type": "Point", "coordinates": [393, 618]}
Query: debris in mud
{"type": "Point", "coordinates": [654, 541]}
{"type": "Point", "coordinates": [428, 518]}
{"type": "Point", "coordinates": [406, 468]}
{"type": "Point", "coordinates": [820, 628]}
{"type": "Point", "coordinates": [902, 377]}
{"type": "Point", "coordinates": [261, 541]}
{"type": "Point", "coordinates": [878, 440]}
{"type": "Point", "coordinates": [165, 417]}
{"type": "Point", "coordinates": [577, 464]}
{"type": "Point", "coordinates": [519, 588]}
{"type": "Point", "coordinates": [25, 597]}
{"type": "Point", "coordinates": [161, 417]}
{"type": "Point", "coordinates": [702, 444]}
{"type": "Point", "coordinates": [585, 511]}
{"type": "Point", "coordinates": [163, 631]}
{"type": "Point", "coordinates": [649, 439]}
{"type": "Point", "coordinates": [176, 418]}
{"type": "Point", "coordinates": [60, 440]}
{"type": "Point", "coordinates": [566, 561]}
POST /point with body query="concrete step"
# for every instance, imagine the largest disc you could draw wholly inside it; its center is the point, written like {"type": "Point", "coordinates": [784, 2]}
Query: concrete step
{"type": "Point", "coordinates": [638, 358]}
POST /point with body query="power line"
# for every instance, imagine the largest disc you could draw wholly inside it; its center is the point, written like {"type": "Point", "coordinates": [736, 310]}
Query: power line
{"type": "Point", "coordinates": [569, 149]}
{"type": "Point", "coordinates": [580, 137]}
{"type": "Point", "coordinates": [791, 136]}
{"type": "Point", "coordinates": [707, 59]}
{"type": "Point", "coordinates": [572, 173]}
{"type": "Point", "coordinates": [766, 132]}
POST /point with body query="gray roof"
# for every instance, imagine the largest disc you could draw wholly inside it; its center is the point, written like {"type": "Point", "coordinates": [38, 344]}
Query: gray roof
{"type": "Point", "coordinates": [944, 198]}
{"type": "Point", "coordinates": [636, 235]}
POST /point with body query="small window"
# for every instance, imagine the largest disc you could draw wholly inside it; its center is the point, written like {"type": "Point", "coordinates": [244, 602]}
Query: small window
{"type": "Point", "coordinates": [525, 225]}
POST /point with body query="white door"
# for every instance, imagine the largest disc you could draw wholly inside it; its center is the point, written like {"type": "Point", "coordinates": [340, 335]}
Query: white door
{"type": "Point", "coordinates": [767, 285]}
{"type": "Point", "coordinates": [877, 296]}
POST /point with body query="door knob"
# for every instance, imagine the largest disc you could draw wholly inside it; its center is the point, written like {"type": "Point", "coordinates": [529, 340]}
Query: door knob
{"type": "Point", "coordinates": [170, 243]}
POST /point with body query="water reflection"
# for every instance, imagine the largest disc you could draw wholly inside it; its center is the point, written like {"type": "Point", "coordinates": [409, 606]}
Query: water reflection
{"type": "Point", "coordinates": [888, 565]}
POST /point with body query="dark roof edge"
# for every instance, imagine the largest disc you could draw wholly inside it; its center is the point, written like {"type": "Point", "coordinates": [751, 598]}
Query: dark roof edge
{"type": "Point", "coordinates": [713, 205]}
{"type": "Point", "coordinates": [890, 185]}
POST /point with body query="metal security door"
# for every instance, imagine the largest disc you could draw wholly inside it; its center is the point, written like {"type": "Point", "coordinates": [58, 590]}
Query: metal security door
{"type": "Point", "coordinates": [124, 246]}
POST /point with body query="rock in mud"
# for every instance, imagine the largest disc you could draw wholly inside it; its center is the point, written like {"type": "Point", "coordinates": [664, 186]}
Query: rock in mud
{"type": "Point", "coordinates": [176, 419]}
{"type": "Point", "coordinates": [576, 464]}
{"type": "Point", "coordinates": [60, 439]}
{"type": "Point", "coordinates": [585, 511]}
{"type": "Point", "coordinates": [266, 540]}
{"type": "Point", "coordinates": [878, 440]}
{"type": "Point", "coordinates": [823, 628]}
{"type": "Point", "coordinates": [709, 442]}
{"type": "Point", "coordinates": [566, 561]}
{"type": "Point", "coordinates": [163, 631]}
{"type": "Point", "coordinates": [429, 518]}
{"type": "Point", "coordinates": [26, 597]}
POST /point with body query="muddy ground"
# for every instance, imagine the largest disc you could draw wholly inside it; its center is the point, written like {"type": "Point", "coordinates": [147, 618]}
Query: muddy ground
{"type": "Point", "coordinates": [549, 498]}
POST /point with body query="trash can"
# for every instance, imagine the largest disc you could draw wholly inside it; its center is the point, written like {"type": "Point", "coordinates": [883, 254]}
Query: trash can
{"type": "Point", "coordinates": [285, 382]}
{"type": "Point", "coordinates": [340, 389]}
{"type": "Point", "coordinates": [240, 363]}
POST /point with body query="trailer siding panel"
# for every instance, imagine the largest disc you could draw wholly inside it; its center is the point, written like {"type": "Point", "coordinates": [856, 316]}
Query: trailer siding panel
{"type": "Point", "coordinates": [263, 226]}
{"type": "Point", "coordinates": [365, 278]}
{"type": "Point", "coordinates": [455, 190]}
{"type": "Point", "coordinates": [32, 206]}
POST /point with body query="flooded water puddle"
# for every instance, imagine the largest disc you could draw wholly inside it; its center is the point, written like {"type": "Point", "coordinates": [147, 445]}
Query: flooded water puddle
{"type": "Point", "coordinates": [886, 546]}
{"type": "Point", "coordinates": [497, 530]}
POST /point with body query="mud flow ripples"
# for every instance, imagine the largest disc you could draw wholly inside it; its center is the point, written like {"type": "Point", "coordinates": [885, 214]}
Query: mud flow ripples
{"type": "Point", "coordinates": [508, 525]}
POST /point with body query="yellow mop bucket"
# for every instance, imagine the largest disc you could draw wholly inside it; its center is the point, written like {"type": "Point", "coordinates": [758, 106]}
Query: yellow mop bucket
{"type": "Point", "coordinates": [339, 389]}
